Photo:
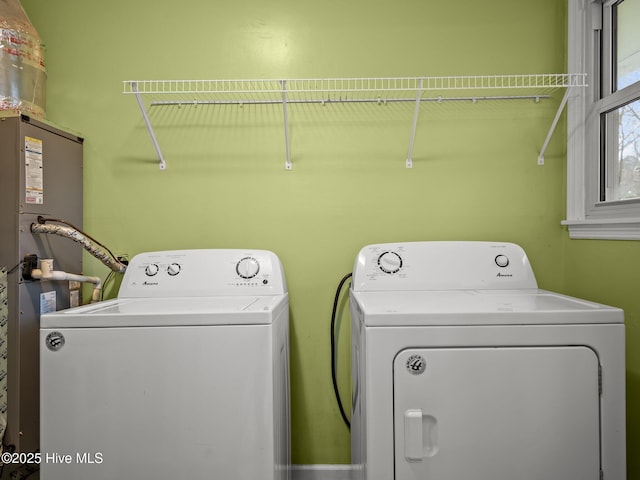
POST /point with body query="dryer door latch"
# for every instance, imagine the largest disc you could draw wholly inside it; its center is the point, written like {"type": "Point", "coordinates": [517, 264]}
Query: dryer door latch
{"type": "Point", "coordinates": [420, 435]}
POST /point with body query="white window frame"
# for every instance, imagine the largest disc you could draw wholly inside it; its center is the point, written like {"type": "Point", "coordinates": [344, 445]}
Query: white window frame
{"type": "Point", "coordinates": [587, 217]}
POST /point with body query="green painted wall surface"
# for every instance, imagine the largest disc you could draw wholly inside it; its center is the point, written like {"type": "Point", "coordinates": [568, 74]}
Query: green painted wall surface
{"type": "Point", "coordinates": [475, 175]}
{"type": "Point", "coordinates": [609, 272]}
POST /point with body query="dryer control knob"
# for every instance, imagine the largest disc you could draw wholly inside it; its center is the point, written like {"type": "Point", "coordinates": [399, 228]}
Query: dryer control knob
{"type": "Point", "coordinates": [390, 262]}
{"type": "Point", "coordinates": [151, 270]}
{"type": "Point", "coordinates": [502, 261]}
{"type": "Point", "coordinates": [247, 267]}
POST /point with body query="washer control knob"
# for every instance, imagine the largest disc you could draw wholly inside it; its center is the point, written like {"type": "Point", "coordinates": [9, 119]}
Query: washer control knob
{"type": "Point", "coordinates": [173, 269]}
{"type": "Point", "coordinates": [390, 262]}
{"type": "Point", "coordinates": [247, 267]}
{"type": "Point", "coordinates": [151, 270]}
{"type": "Point", "coordinates": [502, 261]}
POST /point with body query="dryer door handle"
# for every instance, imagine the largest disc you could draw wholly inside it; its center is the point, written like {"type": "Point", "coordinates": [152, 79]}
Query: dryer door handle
{"type": "Point", "coordinates": [413, 438]}
{"type": "Point", "coordinates": [420, 435]}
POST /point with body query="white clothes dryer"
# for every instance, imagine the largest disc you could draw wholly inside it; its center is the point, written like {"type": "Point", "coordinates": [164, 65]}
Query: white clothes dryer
{"type": "Point", "coordinates": [463, 369]}
{"type": "Point", "coordinates": [184, 375]}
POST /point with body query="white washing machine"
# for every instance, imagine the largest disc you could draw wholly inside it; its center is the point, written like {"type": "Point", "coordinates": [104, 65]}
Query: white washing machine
{"type": "Point", "coordinates": [464, 369]}
{"type": "Point", "coordinates": [184, 375]}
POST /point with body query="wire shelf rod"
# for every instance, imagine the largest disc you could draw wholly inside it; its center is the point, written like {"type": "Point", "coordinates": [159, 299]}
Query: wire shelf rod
{"type": "Point", "coordinates": [179, 103]}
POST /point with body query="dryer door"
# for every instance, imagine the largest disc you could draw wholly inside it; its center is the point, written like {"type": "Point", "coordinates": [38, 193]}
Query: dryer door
{"type": "Point", "coordinates": [497, 414]}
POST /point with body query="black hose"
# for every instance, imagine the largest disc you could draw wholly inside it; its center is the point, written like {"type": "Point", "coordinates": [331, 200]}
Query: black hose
{"type": "Point", "coordinates": [333, 351]}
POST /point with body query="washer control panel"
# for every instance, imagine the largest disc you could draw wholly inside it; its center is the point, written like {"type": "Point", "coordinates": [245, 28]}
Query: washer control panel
{"type": "Point", "coordinates": [442, 266]}
{"type": "Point", "coordinates": [185, 273]}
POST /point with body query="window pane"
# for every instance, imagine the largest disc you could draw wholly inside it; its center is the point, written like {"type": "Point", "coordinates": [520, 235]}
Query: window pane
{"type": "Point", "coordinates": [626, 14]}
{"type": "Point", "coordinates": [622, 153]}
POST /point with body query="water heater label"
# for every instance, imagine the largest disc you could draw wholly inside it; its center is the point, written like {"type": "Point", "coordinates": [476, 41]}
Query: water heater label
{"type": "Point", "coordinates": [34, 184]}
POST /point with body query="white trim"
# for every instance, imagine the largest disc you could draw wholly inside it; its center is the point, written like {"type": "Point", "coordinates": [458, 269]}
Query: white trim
{"type": "Point", "coordinates": [586, 217]}
{"type": "Point", "coordinates": [323, 472]}
{"type": "Point", "coordinates": [576, 113]}
{"type": "Point", "coordinates": [613, 229]}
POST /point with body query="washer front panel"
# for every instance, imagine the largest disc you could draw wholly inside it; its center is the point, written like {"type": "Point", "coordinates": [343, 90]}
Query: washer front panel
{"type": "Point", "coordinates": [166, 402]}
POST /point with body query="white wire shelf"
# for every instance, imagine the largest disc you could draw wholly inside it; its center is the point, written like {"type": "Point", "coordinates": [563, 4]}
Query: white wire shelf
{"type": "Point", "coordinates": [312, 86]}
{"type": "Point", "coordinates": [346, 90]}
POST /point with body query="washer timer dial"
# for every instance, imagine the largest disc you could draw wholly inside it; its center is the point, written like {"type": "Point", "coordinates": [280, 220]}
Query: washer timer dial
{"type": "Point", "coordinates": [247, 267]}
{"type": "Point", "coordinates": [390, 262]}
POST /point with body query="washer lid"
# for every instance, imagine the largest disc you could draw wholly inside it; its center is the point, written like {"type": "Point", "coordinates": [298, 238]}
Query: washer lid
{"type": "Point", "coordinates": [152, 312]}
{"type": "Point", "coordinates": [479, 307]}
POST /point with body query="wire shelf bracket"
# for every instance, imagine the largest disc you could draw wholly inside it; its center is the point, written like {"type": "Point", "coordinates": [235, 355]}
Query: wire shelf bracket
{"type": "Point", "coordinates": [323, 91]}
{"type": "Point", "coordinates": [554, 124]}
{"type": "Point", "coordinates": [416, 110]}
{"type": "Point", "coordinates": [145, 116]}
{"type": "Point", "coordinates": [287, 164]}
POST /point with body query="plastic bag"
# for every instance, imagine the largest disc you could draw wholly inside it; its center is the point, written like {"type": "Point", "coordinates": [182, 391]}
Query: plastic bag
{"type": "Point", "coordinates": [22, 72]}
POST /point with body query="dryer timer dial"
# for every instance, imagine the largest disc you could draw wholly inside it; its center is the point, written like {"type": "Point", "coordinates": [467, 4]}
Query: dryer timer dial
{"type": "Point", "coordinates": [390, 262]}
{"type": "Point", "coordinates": [502, 261]}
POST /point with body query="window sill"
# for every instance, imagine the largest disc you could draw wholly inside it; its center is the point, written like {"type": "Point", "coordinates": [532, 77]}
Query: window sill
{"type": "Point", "coordinates": [615, 229]}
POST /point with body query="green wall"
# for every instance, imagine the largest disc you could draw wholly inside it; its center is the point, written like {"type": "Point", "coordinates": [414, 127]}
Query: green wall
{"type": "Point", "coordinates": [609, 272]}
{"type": "Point", "coordinates": [475, 175]}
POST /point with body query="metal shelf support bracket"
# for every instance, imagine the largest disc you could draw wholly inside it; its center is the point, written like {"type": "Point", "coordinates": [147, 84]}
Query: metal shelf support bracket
{"type": "Point", "coordinates": [416, 110]}
{"type": "Point", "coordinates": [145, 116]}
{"type": "Point", "coordinates": [287, 165]}
{"type": "Point", "coordinates": [554, 124]}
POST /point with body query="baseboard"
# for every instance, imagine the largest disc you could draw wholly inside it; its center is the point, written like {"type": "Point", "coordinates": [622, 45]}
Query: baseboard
{"type": "Point", "coordinates": [322, 472]}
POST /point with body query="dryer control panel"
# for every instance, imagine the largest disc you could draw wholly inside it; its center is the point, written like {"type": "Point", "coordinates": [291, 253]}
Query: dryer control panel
{"type": "Point", "coordinates": [196, 273]}
{"type": "Point", "coordinates": [442, 266]}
